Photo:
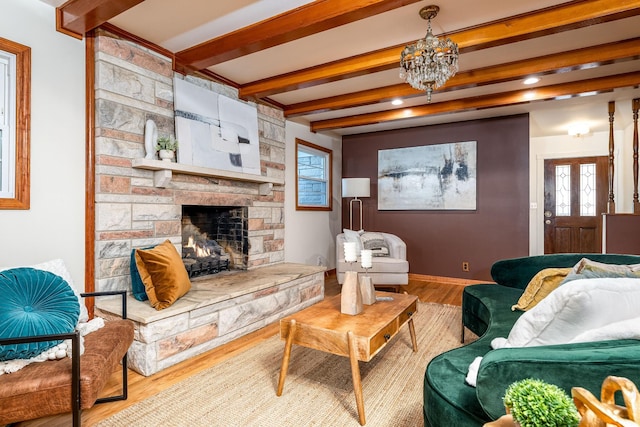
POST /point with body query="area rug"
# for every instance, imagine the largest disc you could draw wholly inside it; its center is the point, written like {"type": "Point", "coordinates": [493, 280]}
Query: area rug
{"type": "Point", "coordinates": [318, 390]}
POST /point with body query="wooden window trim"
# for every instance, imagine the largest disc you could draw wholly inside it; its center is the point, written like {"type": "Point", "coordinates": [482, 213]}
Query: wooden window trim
{"type": "Point", "coordinates": [329, 206]}
{"type": "Point", "coordinates": [22, 125]}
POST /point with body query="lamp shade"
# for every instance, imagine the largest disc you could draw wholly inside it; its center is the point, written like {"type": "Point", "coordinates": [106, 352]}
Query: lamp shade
{"type": "Point", "coordinates": [355, 187]}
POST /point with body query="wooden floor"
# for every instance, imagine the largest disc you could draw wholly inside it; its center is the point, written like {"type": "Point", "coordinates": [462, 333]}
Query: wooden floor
{"type": "Point", "coordinates": [141, 387]}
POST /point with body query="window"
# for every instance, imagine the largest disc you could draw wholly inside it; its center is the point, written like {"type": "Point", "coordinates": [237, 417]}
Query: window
{"type": "Point", "coordinates": [7, 139]}
{"type": "Point", "coordinates": [15, 84]}
{"type": "Point", "coordinates": [313, 177]}
{"type": "Point", "coordinates": [587, 192]}
{"type": "Point", "coordinates": [563, 190]}
{"type": "Point", "coordinates": [588, 189]}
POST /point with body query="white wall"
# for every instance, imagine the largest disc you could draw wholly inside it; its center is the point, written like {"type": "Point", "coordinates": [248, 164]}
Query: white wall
{"type": "Point", "coordinates": [624, 146]}
{"type": "Point", "coordinates": [554, 147]}
{"type": "Point", "coordinates": [309, 236]}
{"type": "Point", "coordinates": [54, 226]}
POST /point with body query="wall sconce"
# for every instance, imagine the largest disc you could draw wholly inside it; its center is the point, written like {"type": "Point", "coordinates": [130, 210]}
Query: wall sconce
{"type": "Point", "coordinates": [355, 187]}
{"type": "Point", "coordinates": [578, 129]}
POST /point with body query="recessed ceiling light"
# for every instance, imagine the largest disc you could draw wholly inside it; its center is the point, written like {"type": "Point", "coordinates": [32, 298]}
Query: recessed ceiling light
{"type": "Point", "coordinates": [531, 80]}
{"type": "Point", "coordinates": [397, 102]}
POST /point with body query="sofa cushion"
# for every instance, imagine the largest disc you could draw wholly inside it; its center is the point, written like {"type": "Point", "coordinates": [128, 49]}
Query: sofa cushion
{"type": "Point", "coordinates": [540, 286]}
{"type": "Point", "coordinates": [574, 308]}
{"type": "Point", "coordinates": [380, 265]}
{"type": "Point", "coordinates": [34, 302]}
{"type": "Point", "coordinates": [565, 365]}
{"type": "Point", "coordinates": [164, 276]}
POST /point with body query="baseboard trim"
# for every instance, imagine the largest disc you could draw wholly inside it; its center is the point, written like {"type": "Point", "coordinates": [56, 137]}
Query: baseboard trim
{"type": "Point", "coordinates": [428, 278]}
{"type": "Point", "coordinates": [447, 280]}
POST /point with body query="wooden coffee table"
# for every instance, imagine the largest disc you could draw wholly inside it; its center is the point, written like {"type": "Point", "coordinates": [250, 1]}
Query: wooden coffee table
{"type": "Point", "coordinates": [323, 327]}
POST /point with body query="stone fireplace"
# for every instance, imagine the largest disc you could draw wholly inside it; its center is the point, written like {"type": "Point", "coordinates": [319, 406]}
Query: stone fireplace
{"type": "Point", "coordinates": [214, 239]}
{"type": "Point", "coordinates": [141, 202]}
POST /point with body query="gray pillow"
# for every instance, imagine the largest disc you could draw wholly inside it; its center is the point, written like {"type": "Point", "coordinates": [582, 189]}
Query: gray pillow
{"type": "Point", "coordinates": [588, 269]}
{"type": "Point", "coordinates": [375, 242]}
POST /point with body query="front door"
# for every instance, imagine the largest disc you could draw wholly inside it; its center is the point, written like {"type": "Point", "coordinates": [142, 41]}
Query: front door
{"type": "Point", "coordinates": [575, 197]}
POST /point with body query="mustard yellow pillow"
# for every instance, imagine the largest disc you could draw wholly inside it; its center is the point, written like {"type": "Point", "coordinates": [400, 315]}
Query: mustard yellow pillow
{"type": "Point", "coordinates": [164, 276]}
{"type": "Point", "coordinates": [540, 286]}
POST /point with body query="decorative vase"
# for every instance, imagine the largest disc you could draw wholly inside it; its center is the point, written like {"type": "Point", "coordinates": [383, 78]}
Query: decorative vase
{"type": "Point", "coordinates": [150, 138]}
{"type": "Point", "coordinates": [367, 290]}
{"type": "Point", "coordinates": [166, 155]}
{"type": "Point", "coordinates": [351, 298]}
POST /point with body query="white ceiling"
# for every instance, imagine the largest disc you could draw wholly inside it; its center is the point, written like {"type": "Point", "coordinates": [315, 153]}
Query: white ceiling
{"type": "Point", "coordinates": [177, 25]}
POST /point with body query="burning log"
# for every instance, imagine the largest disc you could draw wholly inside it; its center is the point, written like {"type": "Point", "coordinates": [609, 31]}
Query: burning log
{"type": "Point", "coordinates": [203, 256]}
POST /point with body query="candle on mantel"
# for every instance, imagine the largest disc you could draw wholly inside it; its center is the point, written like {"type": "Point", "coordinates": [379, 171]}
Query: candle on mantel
{"type": "Point", "coordinates": [350, 252]}
{"type": "Point", "coordinates": [366, 256]}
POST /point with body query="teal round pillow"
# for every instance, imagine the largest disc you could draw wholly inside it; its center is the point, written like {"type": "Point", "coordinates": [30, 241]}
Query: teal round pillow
{"type": "Point", "coordinates": [34, 302]}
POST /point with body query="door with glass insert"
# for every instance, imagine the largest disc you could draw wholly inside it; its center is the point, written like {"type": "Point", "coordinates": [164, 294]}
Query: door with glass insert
{"type": "Point", "coordinates": [575, 196]}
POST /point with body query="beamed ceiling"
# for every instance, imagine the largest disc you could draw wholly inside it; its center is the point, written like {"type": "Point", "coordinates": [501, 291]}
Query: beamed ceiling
{"type": "Point", "coordinates": [334, 64]}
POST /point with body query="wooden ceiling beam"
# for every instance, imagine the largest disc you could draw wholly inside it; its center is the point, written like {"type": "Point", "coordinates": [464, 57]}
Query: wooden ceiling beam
{"type": "Point", "coordinates": [601, 84]}
{"type": "Point", "coordinates": [297, 23]}
{"type": "Point", "coordinates": [77, 17]}
{"type": "Point", "coordinates": [543, 65]}
{"type": "Point", "coordinates": [547, 21]}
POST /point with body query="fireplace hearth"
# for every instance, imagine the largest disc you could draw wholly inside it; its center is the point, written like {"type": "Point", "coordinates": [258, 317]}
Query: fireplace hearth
{"type": "Point", "coordinates": [214, 239]}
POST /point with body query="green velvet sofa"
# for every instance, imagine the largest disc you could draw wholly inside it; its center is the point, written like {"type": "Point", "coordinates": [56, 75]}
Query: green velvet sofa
{"type": "Point", "coordinates": [486, 311]}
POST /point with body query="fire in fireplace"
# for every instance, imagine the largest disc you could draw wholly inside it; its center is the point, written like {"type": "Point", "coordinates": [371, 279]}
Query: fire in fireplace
{"type": "Point", "coordinates": [214, 239]}
{"type": "Point", "coordinates": [202, 256]}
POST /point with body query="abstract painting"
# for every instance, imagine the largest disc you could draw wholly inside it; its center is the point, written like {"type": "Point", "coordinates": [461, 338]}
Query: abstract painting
{"type": "Point", "coordinates": [428, 177]}
{"type": "Point", "coordinates": [215, 131]}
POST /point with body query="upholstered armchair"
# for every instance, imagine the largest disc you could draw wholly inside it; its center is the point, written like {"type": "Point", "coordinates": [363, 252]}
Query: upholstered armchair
{"type": "Point", "coordinates": [386, 270]}
{"type": "Point", "coordinates": [39, 309]}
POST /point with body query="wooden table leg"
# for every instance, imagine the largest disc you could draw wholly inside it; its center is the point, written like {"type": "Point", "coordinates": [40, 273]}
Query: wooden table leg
{"type": "Point", "coordinates": [286, 356]}
{"type": "Point", "coordinates": [355, 373]}
{"type": "Point", "coordinates": [412, 332]}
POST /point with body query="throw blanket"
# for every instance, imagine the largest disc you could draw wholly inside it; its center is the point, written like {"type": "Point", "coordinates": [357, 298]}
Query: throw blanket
{"type": "Point", "coordinates": [58, 352]}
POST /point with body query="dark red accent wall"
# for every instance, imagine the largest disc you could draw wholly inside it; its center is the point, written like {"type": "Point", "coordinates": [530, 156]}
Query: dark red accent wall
{"type": "Point", "coordinates": [621, 233]}
{"type": "Point", "coordinates": [439, 241]}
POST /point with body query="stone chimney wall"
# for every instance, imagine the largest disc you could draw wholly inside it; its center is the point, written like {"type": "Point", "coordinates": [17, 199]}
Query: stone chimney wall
{"type": "Point", "coordinates": [134, 84]}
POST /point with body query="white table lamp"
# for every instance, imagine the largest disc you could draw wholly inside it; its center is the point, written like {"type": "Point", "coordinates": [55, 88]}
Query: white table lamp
{"type": "Point", "coordinates": [355, 187]}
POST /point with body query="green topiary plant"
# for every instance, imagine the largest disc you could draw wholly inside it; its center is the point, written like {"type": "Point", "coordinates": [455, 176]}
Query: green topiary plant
{"type": "Point", "coordinates": [166, 143]}
{"type": "Point", "coordinates": [535, 403]}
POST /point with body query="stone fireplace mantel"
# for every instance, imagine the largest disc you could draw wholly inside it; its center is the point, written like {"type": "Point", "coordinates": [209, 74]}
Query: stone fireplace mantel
{"type": "Point", "coordinates": [164, 170]}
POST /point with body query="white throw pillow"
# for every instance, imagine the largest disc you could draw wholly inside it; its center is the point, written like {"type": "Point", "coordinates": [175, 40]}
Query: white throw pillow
{"type": "Point", "coordinates": [58, 268]}
{"type": "Point", "coordinates": [354, 236]}
{"type": "Point", "coordinates": [576, 308]}
{"type": "Point", "coordinates": [625, 329]}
